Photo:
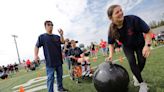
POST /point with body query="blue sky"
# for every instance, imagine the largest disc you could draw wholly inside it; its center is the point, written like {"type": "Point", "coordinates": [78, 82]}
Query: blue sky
{"type": "Point", "coordinates": [82, 20]}
{"type": "Point", "coordinates": [149, 10]}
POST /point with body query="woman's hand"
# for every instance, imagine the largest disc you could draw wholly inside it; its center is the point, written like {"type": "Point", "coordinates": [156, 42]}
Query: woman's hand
{"type": "Point", "coordinates": [146, 51]}
{"type": "Point", "coordinates": [111, 49]}
{"type": "Point", "coordinates": [110, 58]}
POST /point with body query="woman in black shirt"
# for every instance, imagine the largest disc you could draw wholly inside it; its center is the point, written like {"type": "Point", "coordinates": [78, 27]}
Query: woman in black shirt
{"type": "Point", "coordinates": [129, 30]}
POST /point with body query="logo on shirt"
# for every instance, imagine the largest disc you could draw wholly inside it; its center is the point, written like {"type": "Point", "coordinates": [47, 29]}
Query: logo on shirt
{"type": "Point", "coordinates": [130, 32]}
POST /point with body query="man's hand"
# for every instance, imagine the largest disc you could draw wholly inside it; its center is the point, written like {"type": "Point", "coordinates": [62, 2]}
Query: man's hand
{"type": "Point", "coordinates": [61, 36]}
{"type": "Point", "coordinates": [36, 58]}
{"type": "Point", "coordinates": [146, 51]}
{"type": "Point", "coordinates": [60, 31]}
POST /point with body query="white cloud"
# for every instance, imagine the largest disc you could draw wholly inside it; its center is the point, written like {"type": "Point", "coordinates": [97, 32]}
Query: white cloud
{"type": "Point", "coordinates": [127, 5]}
{"type": "Point", "coordinates": [82, 20]}
{"type": "Point", "coordinates": [151, 13]}
{"type": "Point", "coordinates": [71, 8]}
{"type": "Point", "coordinates": [25, 19]}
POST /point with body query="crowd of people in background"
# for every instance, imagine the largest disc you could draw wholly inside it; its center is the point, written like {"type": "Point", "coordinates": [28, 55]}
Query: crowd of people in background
{"type": "Point", "coordinates": [93, 49]}
{"type": "Point", "coordinates": [9, 69]}
{"type": "Point", "coordinates": [81, 56]}
{"type": "Point", "coordinates": [30, 65]}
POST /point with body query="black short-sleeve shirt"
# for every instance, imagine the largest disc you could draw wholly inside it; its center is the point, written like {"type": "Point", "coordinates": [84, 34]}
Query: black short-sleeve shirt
{"type": "Point", "coordinates": [52, 49]}
{"type": "Point", "coordinates": [68, 46]}
{"type": "Point", "coordinates": [75, 52]}
{"type": "Point", "coordinates": [131, 34]}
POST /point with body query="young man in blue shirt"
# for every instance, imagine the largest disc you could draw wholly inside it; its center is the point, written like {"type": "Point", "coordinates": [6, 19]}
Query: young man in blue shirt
{"type": "Point", "coordinates": [51, 44]}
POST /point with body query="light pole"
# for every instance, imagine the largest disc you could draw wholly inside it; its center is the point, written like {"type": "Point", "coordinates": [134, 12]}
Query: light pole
{"type": "Point", "coordinates": [15, 36]}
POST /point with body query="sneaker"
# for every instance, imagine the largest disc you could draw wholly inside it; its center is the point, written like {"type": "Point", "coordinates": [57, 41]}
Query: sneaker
{"type": "Point", "coordinates": [136, 83]}
{"type": "Point", "coordinates": [72, 78]}
{"type": "Point", "coordinates": [87, 74]}
{"type": "Point", "coordinates": [84, 73]}
{"type": "Point", "coordinates": [63, 90]}
{"type": "Point", "coordinates": [143, 87]}
{"type": "Point", "coordinates": [77, 81]}
{"type": "Point", "coordinates": [90, 75]}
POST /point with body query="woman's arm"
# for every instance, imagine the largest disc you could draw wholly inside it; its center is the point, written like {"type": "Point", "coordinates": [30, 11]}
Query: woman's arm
{"type": "Point", "coordinates": [148, 40]}
{"type": "Point", "coordinates": [111, 51]}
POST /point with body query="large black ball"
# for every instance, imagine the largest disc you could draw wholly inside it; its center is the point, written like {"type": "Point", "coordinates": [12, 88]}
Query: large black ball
{"type": "Point", "coordinates": [110, 77]}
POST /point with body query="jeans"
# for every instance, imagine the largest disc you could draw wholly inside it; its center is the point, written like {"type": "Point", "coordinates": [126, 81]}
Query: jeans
{"type": "Point", "coordinates": [50, 80]}
{"type": "Point", "coordinates": [68, 61]}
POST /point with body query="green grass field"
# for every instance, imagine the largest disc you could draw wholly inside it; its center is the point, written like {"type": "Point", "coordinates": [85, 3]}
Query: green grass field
{"type": "Point", "coordinates": [153, 74]}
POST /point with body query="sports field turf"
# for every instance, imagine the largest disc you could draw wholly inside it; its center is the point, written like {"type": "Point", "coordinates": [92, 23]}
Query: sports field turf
{"type": "Point", "coordinates": [153, 74]}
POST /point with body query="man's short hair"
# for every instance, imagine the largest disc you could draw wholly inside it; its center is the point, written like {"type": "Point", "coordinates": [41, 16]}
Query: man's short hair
{"type": "Point", "coordinates": [46, 22]}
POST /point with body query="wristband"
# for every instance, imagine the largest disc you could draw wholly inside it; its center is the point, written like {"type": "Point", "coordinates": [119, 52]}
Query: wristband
{"type": "Point", "coordinates": [148, 45]}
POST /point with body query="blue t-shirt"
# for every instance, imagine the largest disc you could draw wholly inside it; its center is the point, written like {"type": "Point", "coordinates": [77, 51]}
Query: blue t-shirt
{"type": "Point", "coordinates": [131, 34]}
{"type": "Point", "coordinates": [52, 49]}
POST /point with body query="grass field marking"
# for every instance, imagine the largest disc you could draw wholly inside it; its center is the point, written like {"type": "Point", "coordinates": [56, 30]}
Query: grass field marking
{"type": "Point", "coordinates": [35, 80]}
{"type": "Point", "coordinates": [30, 82]}
{"type": "Point", "coordinates": [39, 88]}
{"type": "Point", "coordinates": [32, 86]}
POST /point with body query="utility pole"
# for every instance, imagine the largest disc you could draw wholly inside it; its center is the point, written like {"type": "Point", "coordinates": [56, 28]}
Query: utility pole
{"type": "Point", "coordinates": [15, 36]}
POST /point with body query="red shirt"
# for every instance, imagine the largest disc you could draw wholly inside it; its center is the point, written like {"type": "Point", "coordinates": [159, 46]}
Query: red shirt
{"type": "Point", "coordinates": [103, 44]}
{"type": "Point", "coordinates": [119, 43]}
{"type": "Point", "coordinates": [28, 62]}
{"type": "Point", "coordinates": [152, 35]}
